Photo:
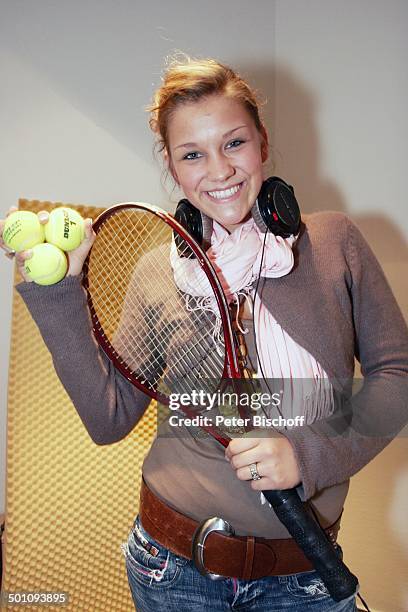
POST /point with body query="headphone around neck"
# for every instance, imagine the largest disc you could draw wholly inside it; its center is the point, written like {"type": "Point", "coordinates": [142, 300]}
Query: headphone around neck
{"type": "Point", "coordinates": [275, 210]}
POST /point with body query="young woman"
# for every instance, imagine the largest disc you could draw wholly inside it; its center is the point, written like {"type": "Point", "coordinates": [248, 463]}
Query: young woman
{"type": "Point", "coordinates": [324, 300]}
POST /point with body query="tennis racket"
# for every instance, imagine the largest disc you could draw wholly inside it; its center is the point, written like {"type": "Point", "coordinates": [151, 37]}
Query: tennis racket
{"type": "Point", "coordinates": [169, 340]}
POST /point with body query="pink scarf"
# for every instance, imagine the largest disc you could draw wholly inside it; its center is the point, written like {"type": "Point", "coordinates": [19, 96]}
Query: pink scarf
{"type": "Point", "coordinates": [236, 259]}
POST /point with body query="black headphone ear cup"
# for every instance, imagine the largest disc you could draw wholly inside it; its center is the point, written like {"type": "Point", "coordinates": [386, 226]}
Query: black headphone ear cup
{"type": "Point", "coordinates": [257, 217]}
{"type": "Point", "coordinates": [276, 208]}
{"type": "Point", "coordinates": [207, 223]}
{"type": "Point", "coordinates": [198, 225]}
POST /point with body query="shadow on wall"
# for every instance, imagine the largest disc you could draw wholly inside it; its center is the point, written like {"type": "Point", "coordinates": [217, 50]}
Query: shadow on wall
{"type": "Point", "coordinates": [290, 117]}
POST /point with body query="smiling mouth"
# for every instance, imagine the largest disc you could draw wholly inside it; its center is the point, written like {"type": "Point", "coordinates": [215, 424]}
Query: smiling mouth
{"type": "Point", "coordinates": [223, 194]}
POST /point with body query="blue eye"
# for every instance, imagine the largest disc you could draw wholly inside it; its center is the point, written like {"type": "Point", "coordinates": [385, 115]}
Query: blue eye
{"type": "Point", "coordinates": [235, 143]}
{"type": "Point", "coordinates": [192, 155]}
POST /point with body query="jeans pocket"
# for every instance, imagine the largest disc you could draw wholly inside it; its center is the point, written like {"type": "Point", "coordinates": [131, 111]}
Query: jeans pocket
{"type": "Point", "coordinates": [147, 561]}
{"type": "Point", "coordinates": [307, 585]}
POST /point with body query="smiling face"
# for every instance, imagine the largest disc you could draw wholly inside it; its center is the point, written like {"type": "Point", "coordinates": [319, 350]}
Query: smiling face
{"type": "Point", "coordinates": [215, 154]}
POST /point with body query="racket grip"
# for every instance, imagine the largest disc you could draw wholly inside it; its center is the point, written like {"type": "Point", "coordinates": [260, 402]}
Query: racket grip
{"type": "Point", "coordinates": [310, 537]}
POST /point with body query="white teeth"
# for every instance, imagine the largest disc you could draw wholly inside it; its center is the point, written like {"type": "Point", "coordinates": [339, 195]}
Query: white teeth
{"type": "Point", "coordinates": [226, 193]}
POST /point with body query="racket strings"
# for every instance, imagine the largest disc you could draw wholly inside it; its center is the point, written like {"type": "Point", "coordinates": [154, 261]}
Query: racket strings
{"type": "Point", "coordinates": [119, 251]}
{"type": "Point", "coordinates": [139, 309]}
{"type": "Point", "coordinates": [196, 347]}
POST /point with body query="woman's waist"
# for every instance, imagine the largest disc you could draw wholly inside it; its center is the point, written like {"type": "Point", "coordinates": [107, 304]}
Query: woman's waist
{"type": "Point", "coordinates": [222, 553]}
{"type": "Point", "coordinates": [199, 483]}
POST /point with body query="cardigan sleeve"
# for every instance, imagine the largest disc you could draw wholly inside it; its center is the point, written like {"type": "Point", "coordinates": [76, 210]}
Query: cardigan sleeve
{"type": "Point", "coordinates": [108, 404]}
{"type": "Point", "coordinates": [330, 452]}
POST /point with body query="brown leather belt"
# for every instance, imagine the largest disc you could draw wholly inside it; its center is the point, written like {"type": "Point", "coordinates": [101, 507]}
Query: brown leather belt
{"type": "Point", "coordinates": [244, 557]}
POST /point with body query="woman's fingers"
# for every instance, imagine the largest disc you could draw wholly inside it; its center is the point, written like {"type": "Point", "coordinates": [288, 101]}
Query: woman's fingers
{"type": "Point", "coordinates": [20, 260]}
{"type": "Point", "coordinates": [9, 252]}
{"type": "Point", "coordinates": [246, 457]}
{"type": "Point", "coordinates": [78, 256]}
{"type": "Point", "coordinates": [239, 445]}
{"type": "Point", "coordinates": [43, 216]}
{"type": "Point", "coordinates": [275, 460]}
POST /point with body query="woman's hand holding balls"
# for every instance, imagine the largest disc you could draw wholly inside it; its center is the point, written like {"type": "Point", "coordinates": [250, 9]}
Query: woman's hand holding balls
{"type": "Point", "coordinates": [22, 235]}
{"type": "Point", "coordinates": [76, 258]}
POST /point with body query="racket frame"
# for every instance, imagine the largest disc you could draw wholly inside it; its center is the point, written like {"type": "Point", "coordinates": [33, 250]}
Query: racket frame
{"type": "Point", "coordinates": [231, 367]}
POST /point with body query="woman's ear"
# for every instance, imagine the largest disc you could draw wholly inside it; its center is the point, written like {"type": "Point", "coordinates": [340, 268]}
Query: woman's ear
{"type": "Point", "coordinates": [169, 165]}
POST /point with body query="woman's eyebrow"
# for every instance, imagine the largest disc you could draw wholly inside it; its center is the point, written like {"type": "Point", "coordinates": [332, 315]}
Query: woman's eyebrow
{"type": "Point", "coordinates": [194, 144]}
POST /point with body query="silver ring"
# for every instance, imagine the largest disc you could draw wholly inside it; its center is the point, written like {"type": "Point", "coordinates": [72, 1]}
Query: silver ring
{"type": "Point", "coordinates": [254, 472]}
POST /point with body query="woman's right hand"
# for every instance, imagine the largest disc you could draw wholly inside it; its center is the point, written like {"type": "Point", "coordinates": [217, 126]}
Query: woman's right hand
{"type": "Point", "coordinates": [76, 258]}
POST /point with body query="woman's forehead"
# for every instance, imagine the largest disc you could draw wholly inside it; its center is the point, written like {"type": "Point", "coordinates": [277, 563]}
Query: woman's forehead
{"type": "Point", "coordinates": [215, 115]}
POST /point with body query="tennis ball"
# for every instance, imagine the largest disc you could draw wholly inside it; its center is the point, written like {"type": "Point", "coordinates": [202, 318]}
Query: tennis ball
{"type": "Point", "coordinates": [47, 265]}
{"type": "Point", "coordinates": [65, 228]}
{"type": "Point", "coordinates": [22, 230]}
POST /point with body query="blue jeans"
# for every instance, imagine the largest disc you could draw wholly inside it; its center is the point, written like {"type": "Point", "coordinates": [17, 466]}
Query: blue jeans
{"type": "Point", "coordinates": [160, 580]}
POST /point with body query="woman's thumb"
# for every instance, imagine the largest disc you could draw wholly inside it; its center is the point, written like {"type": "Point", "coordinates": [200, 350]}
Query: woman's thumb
{"type": "Point", "coordinates": [43, 217]}
{"type": "Point", "coordinates": [89, 233]}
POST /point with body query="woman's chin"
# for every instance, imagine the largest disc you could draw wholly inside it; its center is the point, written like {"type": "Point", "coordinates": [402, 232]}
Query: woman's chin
{"type": "Point", "coordinates": [234, 221]}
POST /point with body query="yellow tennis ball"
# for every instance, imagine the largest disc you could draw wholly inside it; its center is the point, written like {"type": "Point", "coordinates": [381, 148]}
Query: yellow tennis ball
{"type": "Point", "coordinates": [47, 265]}
{"type": "Point", "coordinates": [65, 228]}
{"type": "Point", "coordinates": [22, 230]}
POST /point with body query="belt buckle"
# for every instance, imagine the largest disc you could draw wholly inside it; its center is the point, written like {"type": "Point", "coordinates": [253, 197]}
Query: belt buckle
{"type": "Point", "coordinates": [200, 535]}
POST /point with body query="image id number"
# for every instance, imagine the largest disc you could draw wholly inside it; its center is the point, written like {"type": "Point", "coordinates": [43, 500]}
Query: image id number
{"type": "Point", "coordinates": [34, 597]}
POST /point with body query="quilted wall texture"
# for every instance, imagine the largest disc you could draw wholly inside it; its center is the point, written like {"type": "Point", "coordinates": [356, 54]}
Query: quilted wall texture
{"type": "Point", "coordinates": [69, 503]}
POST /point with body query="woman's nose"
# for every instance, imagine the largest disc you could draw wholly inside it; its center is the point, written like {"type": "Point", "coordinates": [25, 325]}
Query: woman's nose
{"type": "Point", "coordinates": [219, 168]}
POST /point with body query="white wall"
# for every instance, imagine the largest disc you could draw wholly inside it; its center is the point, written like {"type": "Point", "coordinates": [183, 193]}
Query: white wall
{"type": "Point", "coordinates": [75, 77]}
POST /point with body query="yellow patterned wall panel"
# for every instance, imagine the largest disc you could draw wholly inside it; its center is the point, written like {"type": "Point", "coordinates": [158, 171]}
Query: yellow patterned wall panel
{"type": "Point", "coordinates": [69, 502]}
